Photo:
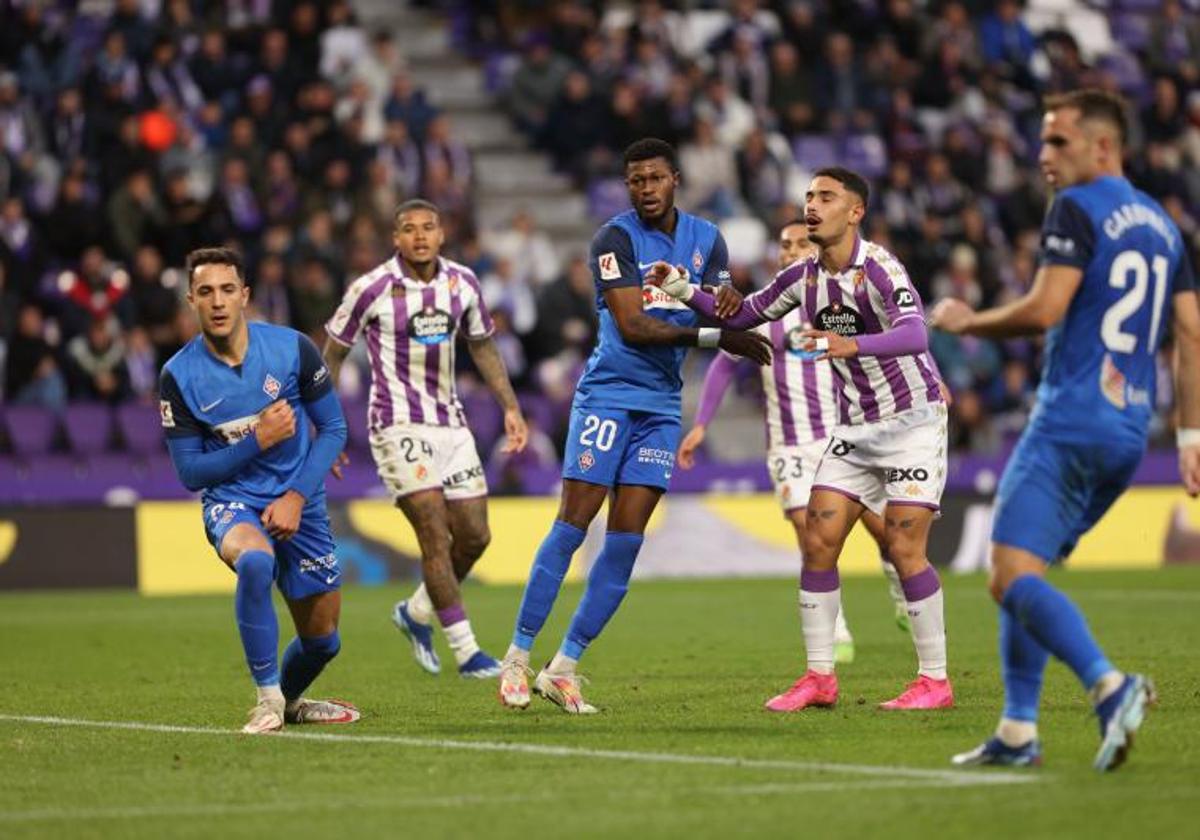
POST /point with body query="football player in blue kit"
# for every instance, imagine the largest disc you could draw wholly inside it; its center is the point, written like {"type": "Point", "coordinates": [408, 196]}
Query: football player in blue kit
{"type": "Point", "coordinates": [1114, 270]}
{"type": "Point", "coordinates": [229, 402]}
{"type": "Point", "coordinates": [625, 418]}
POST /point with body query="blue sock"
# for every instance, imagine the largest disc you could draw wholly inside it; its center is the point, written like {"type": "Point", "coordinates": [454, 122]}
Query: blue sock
{"type": "Point", "coordinates": [1058, 626]}
{"type": "Point", "coordinates": [550, 566]}
{"type": "Point", "coordinates": [256, 615]}
{"type": "Point", "coordinates": [303, 661]}
{"type": "Point", "coordinates": [606, 587]}
{"type": "Point", "coordinates": [1022, 663]}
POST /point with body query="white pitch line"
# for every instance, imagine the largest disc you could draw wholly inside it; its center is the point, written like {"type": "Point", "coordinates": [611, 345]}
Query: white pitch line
{"type": "Point", "coordinates": [1135, 595]}
{"type": "Point", "coordinates": [892, 772]}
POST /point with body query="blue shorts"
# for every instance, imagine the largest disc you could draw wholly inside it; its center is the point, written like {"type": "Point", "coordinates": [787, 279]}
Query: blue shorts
{"type": "Point", "coordinates": [1053, 492]}
{"type": "Point", "coordinates": [611, 446]}
{"type": "Point", "coordinates": [304, 565]}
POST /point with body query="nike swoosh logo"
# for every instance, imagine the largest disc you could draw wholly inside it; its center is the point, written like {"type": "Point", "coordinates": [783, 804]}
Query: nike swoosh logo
{"type": "Point", "coordinates": [644, 266]}
{"type": "Point", "coordinates": [260, 667]}
{"type": "Point", "coordinates": [207, 408]}
{"type": "Point", "coordinates": [329, 580]}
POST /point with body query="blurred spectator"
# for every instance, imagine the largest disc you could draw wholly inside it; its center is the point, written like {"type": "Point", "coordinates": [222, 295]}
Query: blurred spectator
{"type": "Point", "coordinates": [1174, 43]}
{"type": "Point", "coordinates": [764, 171]}
{"type": "Point", "coordinates": [168, 79]}
{"type": "Point", "coordinates": [709, 173]}
{"type": "Point", "coordinates": [576, 125]}
{"type": "Point", "coordinates": [522, 243]}
{"type": "Point", "coordinates": [506, 287]}
{"type": "Point", "coordinates": [536, 85]}
{"type": "Point", "coordinates": [566, 311]}
{"type": "Point", "coordinates": [790, 95]}
{"type": "Point", "coordinates": [270, 295]}
{"type": "Point", "coordinates": [1005, 39]}
{"type": "Point", "coordinates": [74, 222]}
{"type": "Point", "coordinates": [95, 364]}
{"type": "Point", "coordinates": [20, 246]}
{"type": "Point", "coordinates": [408, 105]}
{"type": "Point", "coordinates": [32, 376]}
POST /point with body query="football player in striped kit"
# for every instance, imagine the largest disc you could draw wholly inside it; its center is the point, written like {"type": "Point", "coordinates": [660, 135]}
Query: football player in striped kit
{"type": "Point", "coordinates": [801, 413]}
{"type": "Point", "coordinates": [410, 310]}
{"type": "Point", "coordinates": [888, 454]}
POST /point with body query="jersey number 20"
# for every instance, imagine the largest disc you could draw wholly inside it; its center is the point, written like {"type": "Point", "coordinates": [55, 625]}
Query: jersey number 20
{"type": "Point", "coordinates": [598, 433]}
{"type": "Point", "coordinates": [1133, 263]}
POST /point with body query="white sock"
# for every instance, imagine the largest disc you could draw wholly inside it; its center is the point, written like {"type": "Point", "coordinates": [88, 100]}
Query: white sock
{"type": "Point", "coordinates": [818, 617]}
{"type": "Point", "coordinates": [516, 654]}
{"type": "Point", "coordinates": [562, 665]}
{"type": "Point", "coordinates": [1016, 733]}
{"type": "Point", "coordinates": [927, 620]}
{"type": "Point", "coordinates": [420, 606]}
{"type": "Point", "coordinates": [841, 630]}
{"type": "Point", "coordinates": [893, 580]}
{"type": "Point", "coordinates": [1104, 687]}
{"type": "Point", "coordinates": [461, 638]}
{"type": "Point", "coordinates": [270, 692]}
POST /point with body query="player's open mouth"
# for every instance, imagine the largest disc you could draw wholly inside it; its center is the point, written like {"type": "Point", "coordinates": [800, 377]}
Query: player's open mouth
{"type": "Point", "coordinates": [811, 221]}
{"type": "Point", "coordinates": [650, 204]}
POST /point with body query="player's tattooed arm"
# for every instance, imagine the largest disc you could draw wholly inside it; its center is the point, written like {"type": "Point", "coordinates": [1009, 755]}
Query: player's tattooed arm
{"type": "Point", "coordinates": [636, 327]}
{"type": "Point", "coordinates": [490, 365]}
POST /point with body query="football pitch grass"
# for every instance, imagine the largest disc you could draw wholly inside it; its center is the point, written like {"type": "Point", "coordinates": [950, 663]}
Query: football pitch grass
{"type": "Point", "coordinates": [118, 717]}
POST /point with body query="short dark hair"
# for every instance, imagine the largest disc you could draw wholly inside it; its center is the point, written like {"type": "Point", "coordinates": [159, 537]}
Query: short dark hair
{"type": "Point", "coordinates": [415, 204]}
{"type": "Point", "coordinates": [215, 256]}
{"type": "Point", "coordinates": [648, 148]}
{"type": "Point", "coordinates": [1093, 104]}
{"type": "Point", "coordinates": [795, 220]}
{"type": "Point", "coordinates": [849, 179]}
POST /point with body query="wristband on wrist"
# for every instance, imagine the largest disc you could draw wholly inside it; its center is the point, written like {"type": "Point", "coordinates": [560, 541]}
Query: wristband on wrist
{"type": "Point", "coordinates": [711, 337]}
{"type": "Point", "coordinates": [1184, 437]}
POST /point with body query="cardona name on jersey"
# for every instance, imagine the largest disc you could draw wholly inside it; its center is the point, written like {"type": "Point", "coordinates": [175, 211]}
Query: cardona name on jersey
{"type": "Point", "coordinates": [1131, 215]}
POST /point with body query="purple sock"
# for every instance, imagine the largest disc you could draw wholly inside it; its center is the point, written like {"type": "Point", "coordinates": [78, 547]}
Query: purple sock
{"type": "Point", "coordinates": [452, 615]}
{"type": "Point", "coordinates": [920, 586]}
{"type": "Point", "coordinates": [815, 581]}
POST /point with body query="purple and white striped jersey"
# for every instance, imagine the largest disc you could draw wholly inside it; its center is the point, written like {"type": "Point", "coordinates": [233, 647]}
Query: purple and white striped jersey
{"type": "Point", "coordinates": [871, 295]}
{"type": "Point", "coordinates": [801, 394]}
{"type": "Point", "coordinates": [410, 327]}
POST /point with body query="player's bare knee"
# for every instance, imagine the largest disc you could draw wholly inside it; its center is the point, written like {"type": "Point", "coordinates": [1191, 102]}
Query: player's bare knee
{"type": "Point", "coordinates": [473, 543]}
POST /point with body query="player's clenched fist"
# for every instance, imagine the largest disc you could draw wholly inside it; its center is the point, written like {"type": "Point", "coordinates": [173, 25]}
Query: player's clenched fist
{"type": "Point", "coordinates": [276, 423]}
{"type": "Point", "coordinates": [751, 345]}
{"type": "Point", "coordinates": [729, 301]}
{"type": "Point", "coordinates": [674, 280]}
{"type": "Point", "coordinates": [951, 315]}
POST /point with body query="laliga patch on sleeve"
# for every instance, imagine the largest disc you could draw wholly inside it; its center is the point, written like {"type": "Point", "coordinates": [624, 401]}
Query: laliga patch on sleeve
{"type": "Point", "coordinates": [1062, 245]}
{"type": "Point", "coordinates": [168, 416]}
{"type": "Point", "coordinates": [609, 270]}
{"type": "Point", "coordinates": [904, 298]}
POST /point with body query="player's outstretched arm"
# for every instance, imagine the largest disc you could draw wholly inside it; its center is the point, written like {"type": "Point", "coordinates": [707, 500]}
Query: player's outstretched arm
{"type": "Point", "coordinates": [636, 327]}
{"type": "Point", "coordinates": [1043, 306]}
{"type": "Point", "coordinates": [334, 354]}
{"type": "Point", "coordinates": [716, 382]}
{"type": "Point", "coordinates": [490, 365]}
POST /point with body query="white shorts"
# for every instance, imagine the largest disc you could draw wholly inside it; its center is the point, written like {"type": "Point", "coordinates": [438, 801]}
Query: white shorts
{"type": "Point", "coordinates": [792, 471]}
{"type": "Point", "coordinates": [898, 460]}
{"type": "Point", "coordinates": [411, 457]}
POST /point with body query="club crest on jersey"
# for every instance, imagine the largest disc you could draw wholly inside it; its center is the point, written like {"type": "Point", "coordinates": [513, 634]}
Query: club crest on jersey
{"type": "Point", "coordinates": [271, 386]}
{"type": "Point", "coordinates": [860, 277]}
{"type": "Point", "coordinates": [697, 260]}
{"type": "Point", "coordinates": [586, 460]}
{"type": "Point", "coordinates": [430, 326]}
{"type": "Point", "coordinates": [841, 319]}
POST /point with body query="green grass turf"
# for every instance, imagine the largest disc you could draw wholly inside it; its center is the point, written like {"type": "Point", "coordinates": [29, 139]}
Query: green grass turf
{"type": "Point", "coordinates": [684, 668]}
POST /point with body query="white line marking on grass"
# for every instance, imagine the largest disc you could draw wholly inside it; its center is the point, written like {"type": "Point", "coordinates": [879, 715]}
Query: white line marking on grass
{"type": "Point", "coordinates": [967, 777]}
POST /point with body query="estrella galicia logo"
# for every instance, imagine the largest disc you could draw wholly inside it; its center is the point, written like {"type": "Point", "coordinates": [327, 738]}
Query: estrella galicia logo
{"type": "Point", "coordinates": [841, 448]}
{"type": "Point", "coordinates": [841, 319]}
{"type": "Point", "coordinates": [430, 326]}
{"type": "Point", "coordinates": [903, 298]}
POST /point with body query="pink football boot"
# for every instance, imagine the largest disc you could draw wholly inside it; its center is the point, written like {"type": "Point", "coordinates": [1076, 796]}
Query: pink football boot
{"type": "Point", "coordinates": [812, 689]}
{"type": "Point", "coordinates": [923, 693]}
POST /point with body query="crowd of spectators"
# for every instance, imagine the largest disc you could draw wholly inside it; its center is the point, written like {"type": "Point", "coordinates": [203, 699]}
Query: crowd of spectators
{"type": "Point", "coordinates": [135, 130]}
{"type": "Point", "coordinates": [938, 101]}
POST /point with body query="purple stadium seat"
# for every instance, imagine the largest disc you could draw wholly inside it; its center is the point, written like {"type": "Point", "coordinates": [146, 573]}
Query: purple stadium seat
{"type": "Point", "coordinates": [1131, 30]}
{"type": "Point", "coordinates": [607, 197]}
{"type": "Point", "coordinates": [867, 154]}
{"type": "Point", "coordinates": [540, 410]}
{"type": "Point", "coordinates": [814, 151]}
{"type": "Point", "coordinates": [141, 427]}
{"type": "Point", "coordinates": [89, 427]}
{"type": "Point", "coordinates": [31, 429]}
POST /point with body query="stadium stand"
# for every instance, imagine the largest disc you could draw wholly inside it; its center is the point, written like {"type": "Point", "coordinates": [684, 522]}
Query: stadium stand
{"type": "Point", "coordinates": [133, 131]}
